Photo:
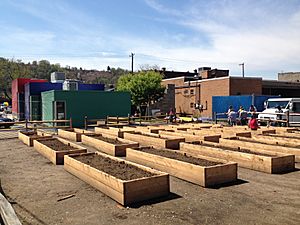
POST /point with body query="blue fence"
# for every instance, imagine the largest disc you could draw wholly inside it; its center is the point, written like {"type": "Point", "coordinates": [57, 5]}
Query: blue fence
{"type": "Point", "coordinates": [220, 104]}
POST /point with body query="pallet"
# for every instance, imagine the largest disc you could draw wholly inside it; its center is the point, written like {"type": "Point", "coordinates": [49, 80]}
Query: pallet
{"type": "Point", "coordinates": [246, 143]}
{"type": "Point", "coordinates": [28, 140]}
{"type": "Point", "coordinates": [155, 140]}
{"type": "Point", "coordinates": [124, 192]}
{"type": "Point", "coordinates": [57, 157]}
{"type": "Point", "coordinates": [109, 148]}
{"type": "Point", "coordinates": [190, 137]}
{"type": "Point", "coordinates": [203, 176]}
{"type": "Point", "coordinates": [277, 163]}
{"type": "Point", "coordinates": [72, 134]}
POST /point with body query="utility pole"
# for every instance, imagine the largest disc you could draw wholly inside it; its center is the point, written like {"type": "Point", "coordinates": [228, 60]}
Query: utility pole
{"type": "Point", "coordinates": [243, 69]}
{"type": "Point", "coordinates": [131, 55]}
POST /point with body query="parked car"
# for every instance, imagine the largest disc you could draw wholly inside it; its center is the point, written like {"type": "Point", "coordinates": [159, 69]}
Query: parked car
{"type": "Point", "coordinates": [8, 123]}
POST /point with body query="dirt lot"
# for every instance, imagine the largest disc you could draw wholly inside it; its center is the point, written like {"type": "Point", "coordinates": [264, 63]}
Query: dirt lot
{"type": "Point", "coordinates": [34, 186]}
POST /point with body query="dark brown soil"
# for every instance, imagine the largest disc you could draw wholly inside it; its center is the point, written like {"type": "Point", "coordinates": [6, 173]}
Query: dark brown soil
{"type": "Point", "coordinates": [109, 140]}
{"type": "Point", "coordinates": [56, 145]}
{"type": "Point", "coordinates": [180, 157]}
{"type": "Point", "coordinates": [29, 133]}
{"type": "Point", "coordinates": [239, 150]}
{"type": "Point", "coordinates": [120, 170]}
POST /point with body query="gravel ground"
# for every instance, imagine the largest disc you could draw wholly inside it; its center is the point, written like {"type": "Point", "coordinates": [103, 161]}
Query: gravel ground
{"type": "Point", "coordinates": [34, 185]}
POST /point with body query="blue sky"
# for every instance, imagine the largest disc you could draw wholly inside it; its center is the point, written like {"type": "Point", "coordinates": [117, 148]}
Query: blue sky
{"type": "Point", "coordinates": [179, 35]}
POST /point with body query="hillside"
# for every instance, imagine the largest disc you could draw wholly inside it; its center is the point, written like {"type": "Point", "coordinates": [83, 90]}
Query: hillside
{"type": "Point", "coordinates": [11, 69]}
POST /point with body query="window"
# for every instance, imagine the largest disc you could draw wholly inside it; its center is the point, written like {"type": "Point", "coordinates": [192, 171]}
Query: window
{"type": "Point", "coordinates": [192, 105]}
{"type": "Point", "coordinates": [192, 91]}
{"type": "Point", "coordinates": [186, 91]}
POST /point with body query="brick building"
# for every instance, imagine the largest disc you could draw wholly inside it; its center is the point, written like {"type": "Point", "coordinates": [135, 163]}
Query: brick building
{"type": "Point", "coordinates": [199, 88]}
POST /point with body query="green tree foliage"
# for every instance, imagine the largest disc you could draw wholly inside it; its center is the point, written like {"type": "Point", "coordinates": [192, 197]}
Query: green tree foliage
{"type": "Point", "coordinates": [11, 69]}
{"type": "Point", "coordinates": [145, 87]}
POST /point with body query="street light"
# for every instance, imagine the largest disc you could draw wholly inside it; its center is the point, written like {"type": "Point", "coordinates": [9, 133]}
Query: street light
{"type": "Point", "coordinates": [243, 69]}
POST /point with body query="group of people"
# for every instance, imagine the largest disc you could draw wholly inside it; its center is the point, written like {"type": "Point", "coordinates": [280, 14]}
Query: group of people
{"type": "Point", "coordinates": [242, 115]}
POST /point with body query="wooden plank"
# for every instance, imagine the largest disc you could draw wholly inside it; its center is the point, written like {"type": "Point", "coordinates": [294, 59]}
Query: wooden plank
{"type": "Point", "coordinates": [124, 192]}
{"type": "Point", "coordinates": [191, 137]}
{"type": "Point", "coordinates": [203, 176]}
{"type": "Point", "coordinates": [109, 131]}
{"type": "Point", "coordinates": [246, 160]}
{"type": "Point", "coordinates": [223, 133]}
{"type": "Point", "coordinates": [286, 135]}
{"type": "Point", "coordinates": [246, 143]}
{"type": "Point", "coordinates": [69, 134]}
{"type": "Point", "coordinates": [27, 138]}
{"type": "Point", "coordinates": [7, 212]}
{"type": "Point", "coordinates": [57, 157]}
{"type": "Point", "coordinates": [109, 148]}
{"type": "Point", "coordinates": [155, 140]}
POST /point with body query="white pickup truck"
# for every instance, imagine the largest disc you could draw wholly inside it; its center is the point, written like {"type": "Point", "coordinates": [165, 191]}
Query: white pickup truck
{"type": "Point", "coordinates": [286, 104]}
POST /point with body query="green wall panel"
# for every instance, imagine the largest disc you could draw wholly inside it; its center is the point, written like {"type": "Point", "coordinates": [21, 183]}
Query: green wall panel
{"type": "Point", "coordinates": [94, 104]}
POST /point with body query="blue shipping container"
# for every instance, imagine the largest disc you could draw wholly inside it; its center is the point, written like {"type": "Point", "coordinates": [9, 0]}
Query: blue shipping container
{"type": "Point", "coordinates": [220, 104]}
{"type": "Point", "coordinates": [91, 87]}
{"type": "Point", "coordinates": [37, 89]}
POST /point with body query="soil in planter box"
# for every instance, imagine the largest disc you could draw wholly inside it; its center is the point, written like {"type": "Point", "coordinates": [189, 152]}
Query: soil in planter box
{"type": "Point", "coordinates": [240, 150]}
{"type": "Point", "coordinates": [109, 140]}
{"type": "Point", "coordinates": [120, 170]}
{"type": "Point", "coordinates": [56, 145]}
{"type": "Point", "coordinates": [180, 157]}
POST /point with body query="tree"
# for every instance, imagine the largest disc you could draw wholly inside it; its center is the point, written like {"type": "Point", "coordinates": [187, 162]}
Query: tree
{"type": "Point", "coordinates": [145, 87]}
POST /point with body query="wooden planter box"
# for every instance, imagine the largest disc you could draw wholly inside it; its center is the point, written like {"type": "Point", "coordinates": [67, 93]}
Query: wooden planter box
{"type": "Point", "coordinates": [246, 143]}
{"type": "Point", "coordinates": [109, 131]}
{"type": "Point", "coordinates": [109, 148]}
{"type": "Point", "coordinates": [190, 137]}
{"type": "Point", "coordinates": [125, 192]}
{"type": "Point", "coordinates": [203, 176]}
{"type": "Point", "coordinates": [57, 157]}
{"type": "Point", "coordinates": [27, 138]}
{"type": "Point", "coordinates": [154, 140]}
{"type": "Point", "coordinates": [276, 163]}
{"type": "Point", "coordinates": [223, 132]}
{"type": "Point", "coordinates": [72, 134]}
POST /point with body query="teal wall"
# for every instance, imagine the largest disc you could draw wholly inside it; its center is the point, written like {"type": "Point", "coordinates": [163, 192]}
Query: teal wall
{"type": "Point", "coordinates": [94, 104]}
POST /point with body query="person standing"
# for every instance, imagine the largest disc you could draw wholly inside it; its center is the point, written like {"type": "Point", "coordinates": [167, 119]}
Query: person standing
{"type": "Point", "coordinates": [243, 115]}
{"type": "Point", "coordinates": [253, 110]}
{"type": "Point", "coordinates": [231, 116]}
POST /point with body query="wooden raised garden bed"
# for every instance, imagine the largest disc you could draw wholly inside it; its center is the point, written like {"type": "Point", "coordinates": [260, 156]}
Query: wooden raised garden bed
{"type": "Point", "coordinates": [223, 132]}
{"type": "Point", "coordinates": [264, 161]}
{"type": "Point", "coordinates": [27, 137]}
{"type": "Point", "coordinates": [72, 134]}
{"type": "Point", "coordinates": [155, 140]}
{"type": "Point", "coordinates": [248, 143]}
{"type": "Point", "coordinates": [109, 131]}
{"type": "Point", "coordinates": [123, 181]}
{"type": "Point", "coordinates": [54, 149]}
{"type": "Point", "coordinates": [190, 137]}
{"type": "Point", "coordinates": [201, 170]}
{"type": "Point", "coordinates": [109, 144]}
